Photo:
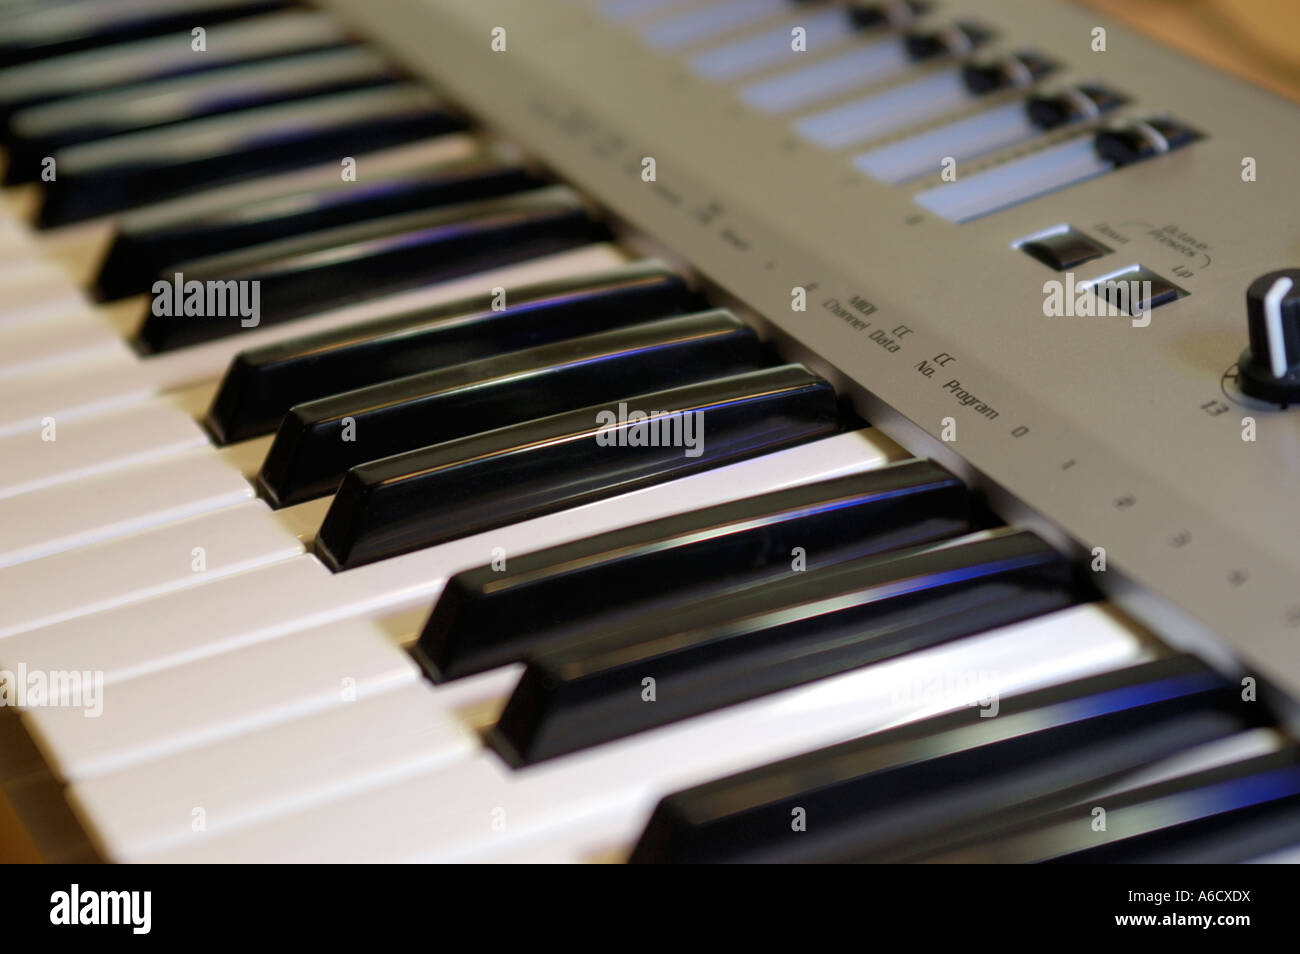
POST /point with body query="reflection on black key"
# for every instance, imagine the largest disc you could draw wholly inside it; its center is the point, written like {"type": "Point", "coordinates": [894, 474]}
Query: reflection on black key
{"type": "Point", "coordinates": [109, 175]}
{"type": "Point", "coordinates": [467, 486]}
{"type": "Point", "coordinates": [262, 384]}
{"type": "Point", "coordinates": [490, 616]}
{"type": "Point", "coordinates": [334, 267]}
{"type": "Point", "coordinates": [912, 789]}
{"type": "Point", "coordinates": [40, 131]}
{"type": "Point", "coordinates": [1227, 814]}
{"type": "Point", "coordinates": [240, 41]}
{"type": "Point", "coordinates": [139, 254]}
{"type": "Point", "coordinates": [309, 455]}
{"type": "Point", "coordinates": [53, 29]}
{"type": "Point", "coordinates": [773, 636]}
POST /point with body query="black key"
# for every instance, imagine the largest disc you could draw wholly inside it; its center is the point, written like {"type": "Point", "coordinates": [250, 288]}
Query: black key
{"type": "Point", "coordinates": [240, 41]}
{"type": "Point", "coordinates": [54, 29]}
{"type": "Point", "coordinates": [41, 130]}
{"type": "Point", "coordinates": [334, 267]}
{"type": "Point", "coordinates": [1227, 814]}
{"type": "Point", "coordinates": [489, 616]}
{"type": "Point", "coordinates": [113, 174]}
{"type": "Point", "coordinates": [911, 789]}
{"type": "Point", "coordinates": [309, 455]}
{"type": "Point", "coordinates": [773, 636]}
{"type": "Point", "coordinates": [140, 252]}
{"type": "Point", "coordinates": [452, 490]}
{"type": "Point", "coordinates": [262, 384]}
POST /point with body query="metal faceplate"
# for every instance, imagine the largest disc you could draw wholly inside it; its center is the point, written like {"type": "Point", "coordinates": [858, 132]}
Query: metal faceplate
{"type": "Point", "coordinates": [1124, 438]}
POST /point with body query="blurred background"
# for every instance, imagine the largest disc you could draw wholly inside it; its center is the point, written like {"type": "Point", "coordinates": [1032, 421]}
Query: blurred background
{"type": "Point", "coordinates": [1256, 39]}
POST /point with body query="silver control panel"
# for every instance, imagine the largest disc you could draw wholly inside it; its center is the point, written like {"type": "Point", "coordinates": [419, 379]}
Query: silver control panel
{"type": "Point", "coordinates": [930, 278]}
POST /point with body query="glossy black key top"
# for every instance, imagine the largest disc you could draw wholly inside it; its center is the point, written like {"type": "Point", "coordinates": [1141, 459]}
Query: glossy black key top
{"type": "Point", "coordinates": [489, 616]}
{"type": "Point", "coordinates": [916, 787]}
{"type": "Point", "coordinates": [467, 486]}
{"type": "Point", "coordinates": [141, 252]}
{"type": "Point", "coordinates": [113, 174]}
{"type": "Point", "coordinates": [56, 28]}
{"type": "Point", "coordinates": [262, 384]}
{"type": "Point", "coordinates": [1230, 813]}
{"type": "Point", "coordinates": [42, 130]}
{"type": "Point", "coordinates": [309, 455]}
{"type": "Point", "coordinates": [334, 267]}
{"type": "Point", "coordinates": [780, 634]}
{"type": "Point", "coordinates": [240, 41]}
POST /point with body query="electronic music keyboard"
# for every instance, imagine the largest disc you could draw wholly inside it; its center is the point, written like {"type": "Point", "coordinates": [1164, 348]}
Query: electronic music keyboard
{"type": "Point", "coordinates": [650, 430]}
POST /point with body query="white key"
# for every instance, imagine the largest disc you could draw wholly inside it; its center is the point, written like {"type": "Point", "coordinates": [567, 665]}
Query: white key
{"type": "Point", "coordinates": [160, 738]}
{"type": "Point", "coordinates": [94, 445]}
{"type": "Point", "coordinates": [72, 337]}
{"type": "Point", "coordinates": [53, 519]}
{"type": "Point", "coordinates": [99, 383]}
{"type": "Point", "coordinates": [37, 292]}
{"type": "Point", "coordinates": [177, 628]}
{"type": "Point", "coordinates": [172, 711]}
{"type": "Point", "coordinates": [334, 753]}
{"type": "Point", "coordinates": [237, 611]}
{"type": "Point", "coordinates": [77, 390]}
{"type": "Point", "coordinates": [216, 698]}
{"type": "Point", "coordinates": [17, 240]}
{"type": "Point", "coordinates": [186, 553]}
{"type": "Point", "coordinates": [449, 813]}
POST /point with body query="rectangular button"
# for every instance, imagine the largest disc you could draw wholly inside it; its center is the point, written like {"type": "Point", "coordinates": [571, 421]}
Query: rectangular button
{"type": "Point", "coordinates": [1136, 290]}
{"type": "Point", "coordinates": [1062, 248]}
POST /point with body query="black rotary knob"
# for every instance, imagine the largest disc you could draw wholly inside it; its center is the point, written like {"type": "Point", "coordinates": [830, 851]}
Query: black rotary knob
{"type": "Point", "coordinates": [1270, 367]}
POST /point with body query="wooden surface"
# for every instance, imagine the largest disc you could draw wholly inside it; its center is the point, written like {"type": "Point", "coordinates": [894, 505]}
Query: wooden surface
{"type": "Point", "coordinates": [1256, 39]}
